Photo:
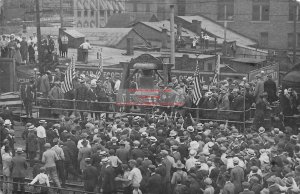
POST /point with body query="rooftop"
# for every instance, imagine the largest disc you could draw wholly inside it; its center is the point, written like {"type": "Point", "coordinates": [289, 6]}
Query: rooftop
{"type": "Point", "coordinates": [112, 56]}
{"type": "Point", "coordinates": [218, 30]}
{"type": "Point", "coordinates": [165, 24]}
{"type": "Point", "coordinates": [123, 20]}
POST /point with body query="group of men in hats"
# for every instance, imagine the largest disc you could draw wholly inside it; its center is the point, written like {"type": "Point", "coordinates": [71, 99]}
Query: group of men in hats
{"type": "Point", "coordinates": [161, 154]}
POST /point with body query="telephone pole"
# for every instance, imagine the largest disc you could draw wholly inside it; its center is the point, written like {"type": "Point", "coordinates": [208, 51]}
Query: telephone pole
{"type": "Point", "coordinates": [38, 29]}
{"type": "Point", "coordinates": [172, 35]}
{"type": "Point", "coordinates": [61, 14]}
{"type": "Point", "coordinates": [295, 33]}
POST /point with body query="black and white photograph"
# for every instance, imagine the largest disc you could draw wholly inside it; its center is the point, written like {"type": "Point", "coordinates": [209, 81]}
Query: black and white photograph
{"type": "Point", "coordinates": [150, 96]}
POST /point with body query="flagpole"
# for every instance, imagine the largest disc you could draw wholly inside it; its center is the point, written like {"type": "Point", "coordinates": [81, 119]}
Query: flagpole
{"type": "Point", "coordinates": [197, 111]}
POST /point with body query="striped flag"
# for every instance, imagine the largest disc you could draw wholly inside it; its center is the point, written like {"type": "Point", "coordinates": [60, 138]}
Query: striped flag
{"type": "Point", "coordinates": [100, 67]}
{"type": "Point", "coordinates": [217, 71]}
{"type": "Point", "coordinates": [197, 90]}
{"type": "Point", "coordinates": [67, 84]}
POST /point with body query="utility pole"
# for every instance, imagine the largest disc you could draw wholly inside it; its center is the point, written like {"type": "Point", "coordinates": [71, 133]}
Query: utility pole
{"type": "Point", "coordinates": [38, 29]}
{"type": "Point", "coordinates": [172, 35]}
{"type": "Point", "coordinates": [61, 14]}
{"type": "Point", "coordinates": [295, 33]}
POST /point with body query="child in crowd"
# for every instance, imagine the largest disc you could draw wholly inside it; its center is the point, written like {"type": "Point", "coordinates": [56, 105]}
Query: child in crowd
{"type": "Point", "coordinates": [43, 180]}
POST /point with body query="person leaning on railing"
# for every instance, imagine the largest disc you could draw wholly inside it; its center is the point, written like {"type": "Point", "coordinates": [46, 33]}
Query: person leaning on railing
{"type": "Point", "coordinates": [43, 180]}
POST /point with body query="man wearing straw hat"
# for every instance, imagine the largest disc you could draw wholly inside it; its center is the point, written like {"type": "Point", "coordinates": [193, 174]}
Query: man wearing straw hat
{"type": "Point", "coordinates": [41, 134]}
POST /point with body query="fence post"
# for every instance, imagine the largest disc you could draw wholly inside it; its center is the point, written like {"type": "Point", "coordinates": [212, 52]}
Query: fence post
{"type": "Point", "coordinates": [74, 105]}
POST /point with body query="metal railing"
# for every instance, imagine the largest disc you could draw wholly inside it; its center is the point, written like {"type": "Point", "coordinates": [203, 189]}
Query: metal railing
{"type": "Point", "coordinates": [200, 114]}
{"type": "Point", "coordinates": [35, 187]}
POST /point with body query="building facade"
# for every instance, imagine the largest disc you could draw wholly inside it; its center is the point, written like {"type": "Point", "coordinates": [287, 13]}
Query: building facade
{"type": "Point", "coordinates": [270, 22]}
{"type": "Point", "coordinates": [160, 8]}
{"type": "Point", "coordinates": [95, 13]}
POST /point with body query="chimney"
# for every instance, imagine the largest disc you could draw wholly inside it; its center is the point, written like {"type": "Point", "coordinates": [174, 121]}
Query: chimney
{"type": "Point", "coordinates": [164, 37]}
{"type": "Point", "coordinates": [197, 26]}
{"type": "Point", "coordinates": [129, 46]}
{"type": "Point", "coordinates": [179, 29]}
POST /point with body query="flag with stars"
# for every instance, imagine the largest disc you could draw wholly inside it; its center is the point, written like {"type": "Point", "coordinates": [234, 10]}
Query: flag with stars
{"type": "Point", "coordinates": [197, 88]}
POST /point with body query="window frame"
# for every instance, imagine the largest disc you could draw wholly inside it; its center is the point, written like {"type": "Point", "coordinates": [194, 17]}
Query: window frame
{"type": "Point", "coordinates": [85, 13]}
{"type": "Point", "coordinates": [291, 11]}
{"type": "Point", "coordinates": [261, 4]}
{"type": "Point", "coordinates": [79, 13]}
{"type": "Point", "coordinates": [262, 39]}
{"type": "Point", "coordinates": [223, 6]}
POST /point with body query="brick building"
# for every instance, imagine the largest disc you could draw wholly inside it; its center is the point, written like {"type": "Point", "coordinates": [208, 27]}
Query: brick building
{"type": "Point", "coordinates": [270, 22]}
{"type": "Point", "coordinates": [160, 8]}
{"type": "Point", "coordinates": [95, 13]}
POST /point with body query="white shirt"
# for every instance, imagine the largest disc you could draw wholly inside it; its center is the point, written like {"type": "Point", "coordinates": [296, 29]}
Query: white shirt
{"type": "Point", "coordinates": [191, 162]}
{"type": "Point", "coordinates": [114, 160]}
{"type": "Point", "coordinates": [85, 45]}
{"type": "Point", "coordinates": [117, 85]}
{"type": "Point", "coordinates": [204, 166]}
{"type": "Point", "coordinates": [79, 144]}
{"type": "Point", "coordinates": [40, 132]}
{"type": "Point", "coordinates": [135, 176]}
{"type": "Point", "coordinates": [34, 39]}
{"type": "Point", "coordinates": [42, 178]}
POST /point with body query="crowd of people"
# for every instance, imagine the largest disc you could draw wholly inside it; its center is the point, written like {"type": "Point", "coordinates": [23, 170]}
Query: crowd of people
{"type": "Point", "coordinates": [153, 154]}
{"type": "Point", "coordinates": [24, 49]}
{"type": "Point", "coordinates": [227, 100]}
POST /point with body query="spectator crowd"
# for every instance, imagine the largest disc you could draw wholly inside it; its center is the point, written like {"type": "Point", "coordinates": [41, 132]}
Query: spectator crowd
{"type": "Point", "coordinates": [153, 154]}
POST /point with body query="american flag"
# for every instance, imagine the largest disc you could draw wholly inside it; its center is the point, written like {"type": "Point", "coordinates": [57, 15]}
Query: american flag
{"type": "Point", "coordinates": [100, 66]}
{"type": "Point", "coordinates": [197, 90]}
{"type": "Point", "coordinates": [67, 84]}
{"type": "Point", "coordinates": [217, 71]}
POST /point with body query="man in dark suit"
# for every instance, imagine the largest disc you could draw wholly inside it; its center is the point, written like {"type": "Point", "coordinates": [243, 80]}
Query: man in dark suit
{"type": "Point", "coordinates": [154, 184]}
{"type": "Point", "coordinates": [136, 152]}
{"type": "Point", "coordinates": [108, 177]}
{"type": "Point", "coordinates": [246, 187]}
{"type": "Point", "coordinates": [229, 186]}
{"type": "Point", "coordinates": [237, 175]}
{"type": "Point", "coordinates": [271, 88]}
{"type": "Point", "coordinates": [90, 176]}
{"type": "Point", "coordinates": [81, 94]}
{"type": "Point", "coordinates": [19, 167]}
{"type": "Point", "coordinates": [122, 153]}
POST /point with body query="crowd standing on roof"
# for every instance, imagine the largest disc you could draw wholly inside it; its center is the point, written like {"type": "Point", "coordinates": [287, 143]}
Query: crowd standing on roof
{"type": "Point", "coordinates": [24, 49]}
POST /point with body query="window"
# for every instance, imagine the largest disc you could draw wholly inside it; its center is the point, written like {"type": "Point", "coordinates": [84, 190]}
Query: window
{"type": "Point", "coordinates": [135, 7]}
{"type": "Point", "coordinates": [260, 10]}
{"type": "Point", "coordinates": [148, 6]}
{"type": "Point", "coordinates": [291, 40]}
{"type": "Point", "coordinates": [291, 11]}
{"type": "Point", "coordinates": [101, 13]}
{"type": "Point", "coordinates": [225, 9]}
{"type": "Point", "coordinates": [209, 66]}
{"type": "Point", "coordinates": [79, 13]}
{"type": "Point", "coordinates": [85, 13]}
{"type": "Point", "coordinates": [161, 12]}
{"type": "Point", "coordinates": [92, 13]}
{"type": "Point", "coordinates": [264, 39]}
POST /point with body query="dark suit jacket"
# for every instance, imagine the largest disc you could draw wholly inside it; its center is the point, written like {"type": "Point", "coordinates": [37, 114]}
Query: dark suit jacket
{"type": "Point", "coordinates": [19, 167]}
{"type": "Point", "coordinates": [108, 179]}
{"type": "Point", "coordinates": [136, 153]}
{"type": "Point", "coordinates": [154, 185]}
{"type": "Point", "coordinates": [123, 154]}
{"type": "Point", "coordinates": [228, 188]}
{"type": "Point", "coordinates": [90, 176]}
{"type": "Point", "coordinates": [161, 170]}
{"type": "Point", "coordinates": [247, 192]}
